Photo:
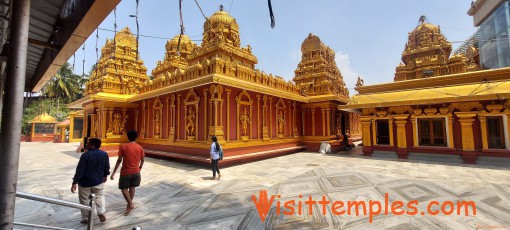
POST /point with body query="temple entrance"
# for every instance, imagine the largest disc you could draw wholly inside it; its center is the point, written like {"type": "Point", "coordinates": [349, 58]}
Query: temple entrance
{"type": "Point", "coordinates": [383, 132]}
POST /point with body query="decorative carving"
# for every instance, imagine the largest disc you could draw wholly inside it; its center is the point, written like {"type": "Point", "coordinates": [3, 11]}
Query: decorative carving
{"type": "Point", "coordinates": [427, 54]}
{"type": "Point", "coordinates": [190, 122]}
{"type": "Point", "coordinates": [360, 82]}
{"type": "Point", "coordinates": [317, 73]}
{"type": "Point", "coordinates": [119, 70]}
{"type": "Point", "coordinates": [157, 123]}
{"type": "Point", "coordinates": [466, 106]}
{"type": "Point", "coordinates": [245, 119]}
{"type": "Point", "coordinates": [281, 123]}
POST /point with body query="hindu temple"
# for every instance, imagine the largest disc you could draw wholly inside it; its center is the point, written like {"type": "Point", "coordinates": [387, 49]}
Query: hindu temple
{"type": "Point", "coordinates": [214, 88]}
{"type": "Point", "coordinates": [438, 103]}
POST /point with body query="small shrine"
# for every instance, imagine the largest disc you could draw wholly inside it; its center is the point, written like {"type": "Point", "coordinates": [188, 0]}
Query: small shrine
{"type": "Point", "coordinates": [43, 128]}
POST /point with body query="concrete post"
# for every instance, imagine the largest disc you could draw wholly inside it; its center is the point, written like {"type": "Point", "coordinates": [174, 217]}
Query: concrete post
{"type": "Point", "coordinates": [13, 111]}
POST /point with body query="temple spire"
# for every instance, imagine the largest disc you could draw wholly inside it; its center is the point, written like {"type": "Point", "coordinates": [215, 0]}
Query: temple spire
{"type": "Point", "coordinates": [221, 7]}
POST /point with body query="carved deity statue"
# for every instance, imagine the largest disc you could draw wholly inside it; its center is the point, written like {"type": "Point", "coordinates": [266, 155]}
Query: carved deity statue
{"type": "Point", "coordinates": [123, 126]}
{"type": "Point", "coordinates": [281, 123]}
{"type": "Point", "coordinates": [245, 119]}
{"type": "Point", "coordinates": [157, 121]}
{"type": "Point", "coordinates": [190, 122]}
{"type": "Point", "coordinates": [359, 82]}
{"type": "Point", "coordinates": [117, 123]}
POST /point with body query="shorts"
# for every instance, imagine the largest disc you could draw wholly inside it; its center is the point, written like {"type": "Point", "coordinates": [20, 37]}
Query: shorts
{"type": "Point", "coordinates": [129, 181]}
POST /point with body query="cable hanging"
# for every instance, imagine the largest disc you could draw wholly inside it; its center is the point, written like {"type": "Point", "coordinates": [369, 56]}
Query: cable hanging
{"type": "Point", "coordinates": [137, 29]}
{"type": "Point", "coordinates": [83, 65]}
{"type": "Point", "coordinates": [115, 40]}
{"type": "Point", "coordinates": [182, 29]}
{"type": "Point", "coordinates": [97, 51]}
{"type": "Point", "coordinates": [271, 15]}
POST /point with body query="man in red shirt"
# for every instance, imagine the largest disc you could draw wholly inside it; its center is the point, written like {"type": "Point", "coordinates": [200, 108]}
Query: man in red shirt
{"type": "Point", "coordinates": [131, 156]}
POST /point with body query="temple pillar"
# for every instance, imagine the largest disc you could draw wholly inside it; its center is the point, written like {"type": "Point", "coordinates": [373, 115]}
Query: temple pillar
{"type": "Point", "coordinates": [265, 128]}
{"type": "Point", "coordinates": [228, 114]}
{"type": "Point", "coordinates": [270, 116]}
{"type": "Point", "coordinates": [142, 129]}
{"type": "Point", "coordinates": [323, 122]}
{"type": "Point", "coordinates": [483, 126]}
{"type": "Point", "coordinates": [390, 124]}
{"type": "Point", "coordinates": [313, 121]}
{"type": "Point", "coordinates": [294, 124]}
{"type": "Point", "coordinates": [259, 126]}
{"type": "Point", "coordinates": [401, 122]}
{"type": "Point", "coordinates": [205, 116]}
{"type": "Point", "coordinates": [166, 129]}
{"type": "Point", "coordinates": [374, 131]}
{"type": "Point", "coordinates": [366, 137]}
{"type": "Point", "coordinates": [450, 132]}
{"type": "Point", "coordinates": [466, 120]}
{"type": "Point", "coordinates": [178, 107]}
{"type": "Point", "coordinates": [415, 132]}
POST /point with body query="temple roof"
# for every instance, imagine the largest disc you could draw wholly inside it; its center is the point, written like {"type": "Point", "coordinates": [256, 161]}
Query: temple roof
{"type": "Point", "coordinates": [171, 45]}
{"type": "Point", "coordinates": [471, 86]}
{"type": "Point", "coordinates": [220, 17]}
{"type": "Point", "coordinates": [44, 118]}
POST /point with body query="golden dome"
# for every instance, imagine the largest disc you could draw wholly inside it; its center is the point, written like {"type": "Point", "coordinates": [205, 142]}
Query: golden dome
{"type": "Point", "coordinates": [426, 27]}
{"type": "Point", "coordinates": [124, 37]}
{"type": "Point", "coordinates": [312, 42]}
{"type": "Point", "coordinates": [221, 18]}
{"type": "Point", "coordinates": [186, 43]}
{"type": "Point", "coordinates": [44, 118]}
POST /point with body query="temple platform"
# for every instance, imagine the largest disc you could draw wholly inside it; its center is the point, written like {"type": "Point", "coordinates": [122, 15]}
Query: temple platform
{"type": "Point", "coordinates": [231, 156]}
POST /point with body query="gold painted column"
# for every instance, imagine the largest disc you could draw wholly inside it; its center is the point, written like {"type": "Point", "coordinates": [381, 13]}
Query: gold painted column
{"type": "Point", "coordinates": [415, 132]}
{"type": "Point", "coordinates": [365, 130]}
{"type": "Point", "coordinates": [206, 125]}
{"type": "Point", "coordinates": [229, 91]}
{"type": "Point", "coordinates": [374, 131]}
{"type": "Point", "coordinates": [450, 132]}
{"type": "Point", "coordinates": [401, 121]}
{"type": "Point", "coordinates": [313, 121]}
{"type": "Point", "coordinates": [466, 120]}
{"type": "Point", "coordinates": [166, 130]}
{"type": "Point", "coordinates": [390, 124]}
{"type": "Point", "coordinates": [483, 126]}
{"type": "Point", "coordinates": [178, 107]}
{"type": "Point", "coordinates": [270, 118]}
{"type": "Point", "coordinates": [259, 126]}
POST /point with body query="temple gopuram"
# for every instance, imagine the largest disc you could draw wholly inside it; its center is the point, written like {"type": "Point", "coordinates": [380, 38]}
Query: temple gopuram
{"type": "Point", "coordinates": [213, 88]}
{"type": "Point", "coordinates": [438, 103]}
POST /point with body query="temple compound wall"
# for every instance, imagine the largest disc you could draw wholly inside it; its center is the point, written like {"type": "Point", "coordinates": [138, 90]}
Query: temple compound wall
{"type": "Point", "coordinates": [214, 89]}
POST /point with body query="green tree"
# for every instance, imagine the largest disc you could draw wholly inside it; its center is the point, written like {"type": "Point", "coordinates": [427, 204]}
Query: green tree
{"type": "Point", "coordinates": [56, 107]}
{"type": "Point", "coordinates": [65, 84]}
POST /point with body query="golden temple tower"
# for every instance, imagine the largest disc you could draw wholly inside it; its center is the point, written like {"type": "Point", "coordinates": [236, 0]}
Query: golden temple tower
{"type": "Point", "coordinates": [174, 59]}
{"type": "Point", "coordinates": [119, 70]}
{"type": "Point", "coordinates": [427, 54]}
{"type": "Point", "coordinates": [317, 73]}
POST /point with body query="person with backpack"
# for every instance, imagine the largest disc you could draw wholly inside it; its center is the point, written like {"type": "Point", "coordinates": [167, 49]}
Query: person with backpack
{"type": "Point", "coordinates": [216, 155]}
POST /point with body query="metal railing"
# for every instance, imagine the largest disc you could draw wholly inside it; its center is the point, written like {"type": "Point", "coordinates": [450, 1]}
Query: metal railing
{"type": "Point", "coordinates": [91, 208]}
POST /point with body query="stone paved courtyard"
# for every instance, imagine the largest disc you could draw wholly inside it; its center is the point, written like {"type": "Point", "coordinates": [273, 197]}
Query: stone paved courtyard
{"type": "Point", "coordinates": [180, 196]}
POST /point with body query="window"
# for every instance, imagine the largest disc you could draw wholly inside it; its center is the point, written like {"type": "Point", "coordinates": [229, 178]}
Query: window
{"type": "Point", "coordinates": [43, 128]}
{"type": "Point", "coordinates": [78, 127]}
{"type": "Point", "coordinates": [432, 132]}
{"type": "Point", "coordinates": [495, 133]}
{"type": "Point", "coordinates": [383, 132]}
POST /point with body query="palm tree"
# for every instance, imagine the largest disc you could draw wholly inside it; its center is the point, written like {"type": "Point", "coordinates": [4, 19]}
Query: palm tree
{"type": "Point", "coordinates": [65, 84]}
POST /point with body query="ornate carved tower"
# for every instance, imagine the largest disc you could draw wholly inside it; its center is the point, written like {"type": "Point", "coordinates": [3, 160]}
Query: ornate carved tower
{"type": "Point", "coordinates": [427, 54]}
{"type": "Point", "coordinates": [119, 70]}
{"type": "Point", "coordinates": [317, 73]}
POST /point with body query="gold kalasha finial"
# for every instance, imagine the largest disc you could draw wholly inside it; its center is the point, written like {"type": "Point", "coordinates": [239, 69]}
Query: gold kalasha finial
{"type": "Point", "coordinates": [422, 19]}
{"type": "Point", "coordinates": [221, 7]}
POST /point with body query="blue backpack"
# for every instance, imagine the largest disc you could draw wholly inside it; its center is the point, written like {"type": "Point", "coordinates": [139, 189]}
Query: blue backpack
{"type": "Point", "coordinates": [220, 152]}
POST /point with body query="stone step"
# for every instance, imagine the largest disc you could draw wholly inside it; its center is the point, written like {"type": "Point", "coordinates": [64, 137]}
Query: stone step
{"type": "Point", "coordinates": [384, 154]}
{"type": "Point", "coordinates": [446, 158]}
{"type": "Point", "coordinates": [494, 161]}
